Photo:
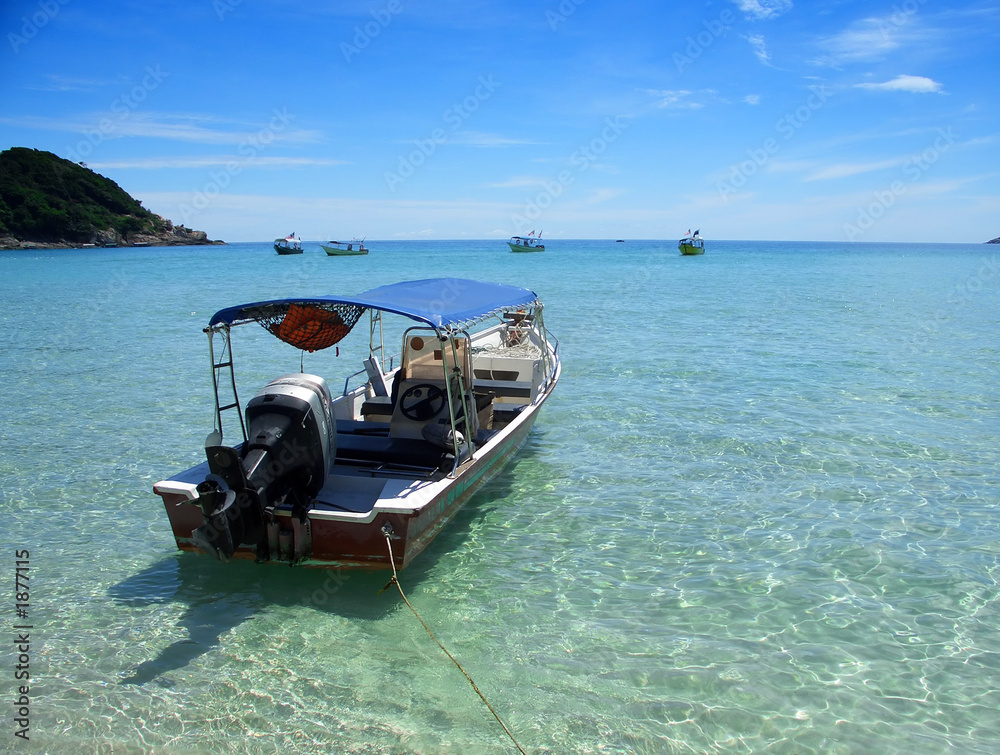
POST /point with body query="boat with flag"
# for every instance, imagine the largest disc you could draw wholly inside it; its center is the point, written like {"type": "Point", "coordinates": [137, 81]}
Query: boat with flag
{"type": "Point", "coordinates": [529, 243]}
{"type": "Point", "coordinates": [368, 477]}
{"type": "Point", "coordinates": [291, 244]}
{"type": "Point", "coordinates": [692, 244]}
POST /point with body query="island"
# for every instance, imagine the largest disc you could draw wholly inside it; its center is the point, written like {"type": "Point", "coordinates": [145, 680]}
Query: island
{"type": "Point", "coordinates": [52, 203]}
{"type": "Point", "coordinates": [994, 241]}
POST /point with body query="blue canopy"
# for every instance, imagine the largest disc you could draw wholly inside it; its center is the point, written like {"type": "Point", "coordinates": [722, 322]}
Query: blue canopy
{"type": "Point", "coordinates": [439, 302]}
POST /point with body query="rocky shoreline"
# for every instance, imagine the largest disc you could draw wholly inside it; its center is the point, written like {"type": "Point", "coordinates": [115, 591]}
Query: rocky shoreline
{"type": "Point", "coordinates": [171, 236]}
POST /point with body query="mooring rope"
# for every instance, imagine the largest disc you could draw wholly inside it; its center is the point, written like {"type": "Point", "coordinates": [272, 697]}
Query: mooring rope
{"type": "Point", "coordinates": [395, 580]}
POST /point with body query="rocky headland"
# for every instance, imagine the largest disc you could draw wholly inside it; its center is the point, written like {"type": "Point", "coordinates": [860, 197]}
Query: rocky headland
{"type": "Point", "coordinates": [47, 202]}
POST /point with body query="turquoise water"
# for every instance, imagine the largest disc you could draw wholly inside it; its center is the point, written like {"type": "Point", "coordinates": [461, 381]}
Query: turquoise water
{"type": "Point", "coordinates": [759, 513]}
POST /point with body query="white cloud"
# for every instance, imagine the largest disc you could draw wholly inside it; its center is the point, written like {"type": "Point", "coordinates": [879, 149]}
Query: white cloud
{"type": "Point", "coordinates": [184, 127]}
{"type": "Point", "coordinates": [844, 170]}
{"type": "Point", "coordinates": [481, 139]}
{"type": "Point", "coordinates": [57, 83]}
{"type": "Point", "coordinates": [763, 8]}
{"type": "Point", "coordinates": [759, 48]}
{"type": "Point", "coordinates": [208, 161]}
{"type": "Point", "coordinates": [603, 195]}
{"type": "Point", "coordinates": [905, 83]}
{"type": "Point", "coordinates": [868, 39]}
{"type": "Point", "coordinates": [752, 99]}
{"type": "Point", "coordinates": [519, 182]}
{"type": "Point", "coordinates": [674, 99]}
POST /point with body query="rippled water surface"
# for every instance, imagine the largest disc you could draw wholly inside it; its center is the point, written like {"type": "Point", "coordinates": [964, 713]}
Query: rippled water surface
{"type": "Point", "coordinates": [759, 513]}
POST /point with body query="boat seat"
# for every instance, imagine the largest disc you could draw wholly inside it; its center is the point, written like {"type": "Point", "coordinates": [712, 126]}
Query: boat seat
{"type": "Point", "coordinates": [380, 406]}
{"type": "Point", "coordinates": [361, 427]}
{"type": "Point", "coordinates": [505, 388]}
{"type": "Point", "coordinates": [375, 377]}
{"type": "Point", "coordinates": [353, 447]}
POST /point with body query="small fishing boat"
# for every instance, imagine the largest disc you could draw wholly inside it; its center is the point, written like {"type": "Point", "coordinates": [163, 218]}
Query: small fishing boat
{"type": "Point", "coordinates": [529, 243]}
{"type": "Point", "coordinates": [692, 244]}
{"type": "Point", "coordinates": [345, 248]}
{"type": "Point", "coordinates": [365, 479]}
{"type": "Point", "coordinates": [291, 244]}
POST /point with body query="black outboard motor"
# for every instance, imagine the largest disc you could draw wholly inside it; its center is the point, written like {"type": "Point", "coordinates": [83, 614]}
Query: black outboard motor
{"type": "Point", "coordinates": [291, 440]}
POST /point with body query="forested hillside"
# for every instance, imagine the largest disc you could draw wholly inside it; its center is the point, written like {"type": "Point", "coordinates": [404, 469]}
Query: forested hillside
{"type": "Point", "coordinates": [44, 198]}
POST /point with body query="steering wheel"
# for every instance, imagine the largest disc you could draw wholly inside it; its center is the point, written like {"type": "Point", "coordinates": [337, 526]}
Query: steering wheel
{"type": "Point", "coordinates": [421, 402]}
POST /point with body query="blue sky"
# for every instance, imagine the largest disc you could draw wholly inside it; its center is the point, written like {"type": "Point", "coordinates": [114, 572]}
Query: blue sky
{"type": "Point", "coordinates": [748, 119]}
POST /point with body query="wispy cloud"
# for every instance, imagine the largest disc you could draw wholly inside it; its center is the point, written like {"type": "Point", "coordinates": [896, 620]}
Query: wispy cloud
{"type": "Point", "coordinates": [905, 83]}
{"type": "Point", "coordinates": [678, 99]}
{"type": "Point", "coordinates": [519, 182]}
{"type": "Point", "coordinates": [870, 39]}
{"type": "Point", "coordinates": [759, 48]}
{"type": "Point", "coordinates": [762, 9]}
{"type": "Point", "coordinates": [603, 195]}
{"type": "Point", "coordinates": [150, 163]}
{"type": "Point", "coordinates": [843, 170]}
{"type": "Point", "coordinates": [56, 83]}
{"type": "Point", "coordinates": [197, 128]}
{"type": "Point", "coordinates": [480, 139]}
{"type": "Point", "coordinates": [752, 99]}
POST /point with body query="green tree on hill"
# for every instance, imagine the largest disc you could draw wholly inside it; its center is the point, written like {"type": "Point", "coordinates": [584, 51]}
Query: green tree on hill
{"type": "Point", "coordinates": [46, 198]}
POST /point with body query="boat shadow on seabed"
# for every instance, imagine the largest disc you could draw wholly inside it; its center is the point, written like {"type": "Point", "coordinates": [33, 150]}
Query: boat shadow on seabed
{"type": "Point", "coordinates": [219, 597]}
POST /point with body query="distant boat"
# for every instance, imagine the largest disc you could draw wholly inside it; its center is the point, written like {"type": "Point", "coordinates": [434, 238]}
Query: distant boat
{"type": "Point", "coordinates": [344, 248]}
{"type": "Point", "coordinates": [692, 244]}
{"type": "Point", "coordinates": [619, 241]}
{"type": "Point", "coordinates": [528, 243]}
{"type": "Point", "coordinates": [291, 244]}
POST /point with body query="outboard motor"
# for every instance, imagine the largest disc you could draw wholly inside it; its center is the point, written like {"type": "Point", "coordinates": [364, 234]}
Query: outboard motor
{"type": "Point", "coordinates": [291, 440]}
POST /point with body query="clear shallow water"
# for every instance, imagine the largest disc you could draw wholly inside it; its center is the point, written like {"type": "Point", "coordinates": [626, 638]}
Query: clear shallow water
{"type": "Point", "coordinates": [759, 513]}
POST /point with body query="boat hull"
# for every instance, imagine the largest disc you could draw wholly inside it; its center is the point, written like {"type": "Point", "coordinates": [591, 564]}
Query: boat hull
{"type": "Point", "coordinates": [522, 248]}
{"type": "Point", "coordinates": [286, 250]}
{"type": "Point", "coordinates": [339, 252]}
{"type": "Point", "coordinates": [339, 542]}
{"type": "Point", "coordinates": [690, 246]}
{"type": "Point", "coordinates": [364, 546]}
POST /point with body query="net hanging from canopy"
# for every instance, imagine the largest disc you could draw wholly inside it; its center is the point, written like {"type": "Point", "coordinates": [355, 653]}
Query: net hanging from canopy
{"type": "Point", "coordinates": [308, 326]}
